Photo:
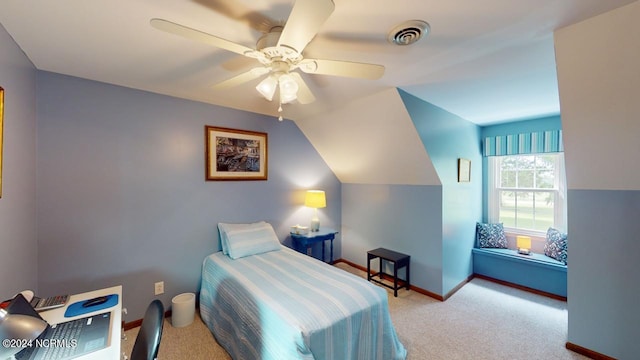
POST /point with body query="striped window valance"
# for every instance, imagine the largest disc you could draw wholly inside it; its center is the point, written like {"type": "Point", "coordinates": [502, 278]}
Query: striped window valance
{"type": "Point", "coordinates": [527, 143]}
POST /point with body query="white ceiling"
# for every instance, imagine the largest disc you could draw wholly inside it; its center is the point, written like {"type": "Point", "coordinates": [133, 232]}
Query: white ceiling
{"type": "Point", "coordinates": [486, 61]}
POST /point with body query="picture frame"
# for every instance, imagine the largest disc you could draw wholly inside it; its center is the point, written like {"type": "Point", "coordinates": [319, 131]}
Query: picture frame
{"type": "Point", "coordinates": [233, 154]}
{"type": "Point", "coordinates": [1, 133]}
{"type": "Point", "coordinates": [464, 170]}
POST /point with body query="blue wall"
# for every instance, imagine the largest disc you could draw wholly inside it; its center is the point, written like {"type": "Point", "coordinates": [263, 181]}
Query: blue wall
{"type": "Point", "coordinates": [404, 218]}
{"type": "Point", "coordinates": [447, 138]}
{"type": "Point", "coordinates": [525, 126]}
{"type": "Point", "coordinates": [435, 224]}
{"type": "Point", "coordinates": [603, 258]}
{"type": "Point", "coordinates": [18, 242]}
{"type": "Point", "coordinates": [121, 192]}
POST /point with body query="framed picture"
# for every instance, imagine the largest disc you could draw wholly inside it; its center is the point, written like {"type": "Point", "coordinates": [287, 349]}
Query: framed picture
{"type": "Point", "coordinates": [1, 126]}
{"type": "Point", "coordinates": [235, 154]}
{"type": "Point", "coordinates": [464, 170]}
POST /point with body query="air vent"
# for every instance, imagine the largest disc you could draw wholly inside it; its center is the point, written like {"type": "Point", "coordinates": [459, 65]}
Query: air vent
{"type": "Point", "coordinates": [408, 32]}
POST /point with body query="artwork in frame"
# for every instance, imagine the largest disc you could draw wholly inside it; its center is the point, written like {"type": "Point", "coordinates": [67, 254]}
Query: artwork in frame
{"type": "Point", "coordinates": [1, 126]}
{"type": "Point", "coordinates": [464, 170]}
{"type": "Point", "coordinates": [233, 154]}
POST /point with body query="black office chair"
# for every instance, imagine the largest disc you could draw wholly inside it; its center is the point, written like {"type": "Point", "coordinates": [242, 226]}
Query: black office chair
{"type": "Point", "coordinates": [148, 339]}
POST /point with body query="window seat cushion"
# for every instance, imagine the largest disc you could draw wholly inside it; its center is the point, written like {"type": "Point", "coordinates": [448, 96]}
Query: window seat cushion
{"type": "Point", "coordinates": [535, 271]}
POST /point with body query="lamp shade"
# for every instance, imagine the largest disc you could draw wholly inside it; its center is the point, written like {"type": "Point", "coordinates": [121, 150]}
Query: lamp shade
{"type": "Point", "coordinates": [288, 88]}
{"type": "Point", "coordinates": [523, 242]}
{"type": "Point", "coordinates": [315, 199]}
{"type": "Point", "coordinates": [267, 87]}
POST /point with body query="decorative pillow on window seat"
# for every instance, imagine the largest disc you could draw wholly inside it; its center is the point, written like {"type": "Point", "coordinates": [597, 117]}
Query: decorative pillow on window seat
{"type": "Point", "coordinates": [556, 245]}
{"type": "Point", "coordinates": [491, 236]}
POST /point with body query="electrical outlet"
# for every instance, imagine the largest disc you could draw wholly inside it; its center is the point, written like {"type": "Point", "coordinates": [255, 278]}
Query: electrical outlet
{"type": "Point", "coordinates": [159, 288]}
{"type": "Point", "coordinates": [309, 251]}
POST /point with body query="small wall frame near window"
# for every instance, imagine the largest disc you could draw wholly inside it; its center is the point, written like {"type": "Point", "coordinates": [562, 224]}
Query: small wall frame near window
{"type": "Point", "coordinates": [233, 154]}
{"type": "Point", "coordinates": [1, 126]}
{"type": "Point", "coordinates": [464, 170]}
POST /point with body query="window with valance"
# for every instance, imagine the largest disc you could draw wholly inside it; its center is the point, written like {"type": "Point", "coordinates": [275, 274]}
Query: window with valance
{"type": "Point", "coordinates": [526, 181]}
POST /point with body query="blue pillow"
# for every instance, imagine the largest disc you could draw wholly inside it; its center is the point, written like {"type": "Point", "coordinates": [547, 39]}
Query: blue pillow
{"type": "Point", "coordinates": [556, 245]}
{"type": "Point", "coordinates": [224, 228]}
{"type": "Point", "coordinates": [491, 236]}
{"type": "Point", "coordinates": [252, 240]}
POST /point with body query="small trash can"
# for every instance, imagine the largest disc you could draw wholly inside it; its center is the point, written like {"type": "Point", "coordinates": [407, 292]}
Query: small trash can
{"type": "Point", "coordinates": [183, 309]}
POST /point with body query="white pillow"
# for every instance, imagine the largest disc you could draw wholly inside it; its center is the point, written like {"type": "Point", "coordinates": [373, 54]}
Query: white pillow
{"type": "Point", "coordinates": [240, 240]}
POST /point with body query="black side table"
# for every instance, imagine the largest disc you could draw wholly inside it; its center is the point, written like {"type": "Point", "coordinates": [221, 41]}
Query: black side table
{"type": "Point", "coordinates": [399, 261]}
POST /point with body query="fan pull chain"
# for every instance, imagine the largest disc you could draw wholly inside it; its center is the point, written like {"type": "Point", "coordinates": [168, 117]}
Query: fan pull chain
{"type": "Point", "coordinates": [280, 112]}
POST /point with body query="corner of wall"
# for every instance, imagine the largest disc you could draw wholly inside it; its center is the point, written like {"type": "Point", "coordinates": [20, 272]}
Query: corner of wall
{"type": "Point", "coordinates": [447, 138]}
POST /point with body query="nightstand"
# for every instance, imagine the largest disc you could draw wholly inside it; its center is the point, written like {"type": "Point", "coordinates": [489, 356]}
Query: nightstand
{"type": "Point", "coordinates": [302, 242]}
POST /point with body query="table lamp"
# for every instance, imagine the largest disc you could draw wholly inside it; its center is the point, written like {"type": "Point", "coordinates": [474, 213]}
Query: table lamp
{"type": "Point", "coordinates": [523, 243]}
{"type": "Point", "coordinates": [315, 199]}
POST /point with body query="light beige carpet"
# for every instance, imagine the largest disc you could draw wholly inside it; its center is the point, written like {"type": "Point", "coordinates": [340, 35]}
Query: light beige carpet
{"type": "Point", "coordinates": [483, 320]}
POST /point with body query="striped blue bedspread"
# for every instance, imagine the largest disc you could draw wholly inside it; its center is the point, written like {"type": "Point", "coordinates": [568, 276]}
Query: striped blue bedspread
{"type": "Point", "coordinates": [286, 305]}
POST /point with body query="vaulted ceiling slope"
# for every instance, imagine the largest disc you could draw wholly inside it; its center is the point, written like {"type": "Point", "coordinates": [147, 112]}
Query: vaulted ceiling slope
{"type": "Point", "coordinates": [372, 140]}
{"type": "Point", "coordinates": [485, 62]}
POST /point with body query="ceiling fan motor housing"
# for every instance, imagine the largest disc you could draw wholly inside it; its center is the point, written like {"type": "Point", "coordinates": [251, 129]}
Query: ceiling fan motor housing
{"type": "Point", "coordinates": [268, 45]}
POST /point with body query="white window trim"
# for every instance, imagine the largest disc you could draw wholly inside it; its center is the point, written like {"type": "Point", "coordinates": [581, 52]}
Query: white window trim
{"type": "Point", "coordinates": [560, 213]}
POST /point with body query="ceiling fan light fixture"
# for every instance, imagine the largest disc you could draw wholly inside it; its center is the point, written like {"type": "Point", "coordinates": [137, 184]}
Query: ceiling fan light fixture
{"type": "Point", "coordinates": [267, 87]}
{"type": "Point", "coordinates": [279, 51]}
{"type": "Point", "coordinates": [288, 88]}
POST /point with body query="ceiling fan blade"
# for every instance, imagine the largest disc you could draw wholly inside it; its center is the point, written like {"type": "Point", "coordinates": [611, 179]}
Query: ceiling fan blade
{"type": "Point", "coordinates": [235, 10]}
{"type": "Point", "coordinates": [242, 78]}
{"type": "Point", "coordinates": [198, 35]}
{"type": "Point", "coordinates": [305, 96]}
{"type": "Point", "coordinates": [342, 68]}
{"type": "Point", "coordinates": [305, 20]}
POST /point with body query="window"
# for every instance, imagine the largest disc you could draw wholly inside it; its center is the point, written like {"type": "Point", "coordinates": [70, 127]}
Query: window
{"type": "Point", "coordinates": [527, 192]}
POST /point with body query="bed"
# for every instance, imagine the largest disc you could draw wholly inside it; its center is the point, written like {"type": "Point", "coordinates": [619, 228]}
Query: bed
{"type": "Point", "coordinates": [280, 304]}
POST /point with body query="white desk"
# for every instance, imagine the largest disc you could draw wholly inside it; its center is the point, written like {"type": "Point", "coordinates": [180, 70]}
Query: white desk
{"type": "Point", "coordinates": [111, 352]}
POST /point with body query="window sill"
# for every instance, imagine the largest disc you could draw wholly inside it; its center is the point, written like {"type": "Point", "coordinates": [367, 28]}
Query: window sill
{"type": "Point", "coordinates": [532, 233]}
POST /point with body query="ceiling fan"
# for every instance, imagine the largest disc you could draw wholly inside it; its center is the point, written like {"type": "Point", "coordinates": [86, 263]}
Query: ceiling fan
{"type": "Point", "coordinates": [279, 52]}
